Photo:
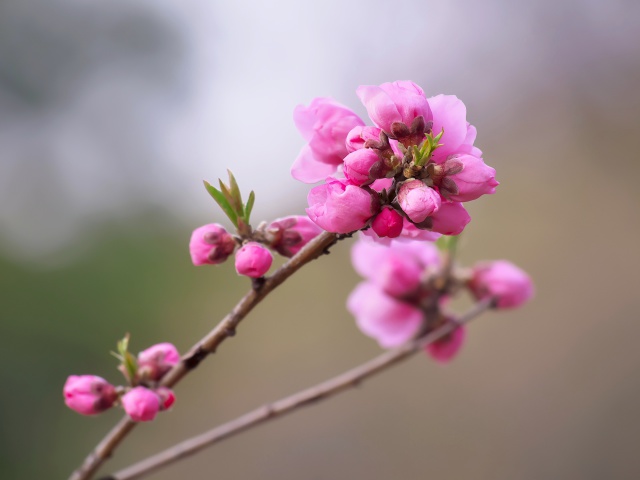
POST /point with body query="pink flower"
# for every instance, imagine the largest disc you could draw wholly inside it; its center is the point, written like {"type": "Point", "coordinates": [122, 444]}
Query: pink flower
{"type": "Point", "coordinates": [210, 244]}
{"type": "Point", "coordinates": [253, 260]}
{"type": "Point", "coordinates": [503, 280]}
{"type": "Point", "coordinates": [388, 223]}
{"type": "Point", "coordinates": [450, 219]}
{"type": "Point", "coordinates": [445, 349]}
{"type": "Point", "coordinates": [450, 114]}
{"type": "Point", "coordinates": [398, 268]}
{"type": "Point", "coordinates": [157, 360]}
{"type": "Point", "coordinates": [389, 268]}
{"type": "Point", "coordinates": [475, 179]}
{"type": "Point", "coordinates": [292, 233]}
{"type": "Point", "coordinates": [88, 394]}
{"type": "Point", "coordinates": [364, 166]}
{"type": "Point", "coordinates": [400, 101]}
{"type": "Point", "coordinates": [141, 404]}
{"type": "Point", "coordinates": [390, 321]}
{"type": "Point", "coordinates": [167, 398]}
{"type": "Point", "coordinates": [325, 124]}
{"type": "Point", "coordinates": [418, 201]}
{"type": "Point", "coordinates": [340, 207]}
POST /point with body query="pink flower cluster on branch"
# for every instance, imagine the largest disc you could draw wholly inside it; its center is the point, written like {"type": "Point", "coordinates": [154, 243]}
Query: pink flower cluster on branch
{"type": "Point", "coordinates": [141, 399]}
{"type": "Point", "coordinates": [404, 297]}
{"type": "Point", "coordinates": [212, 244]}
{"type": "Point", "coordinates": [414, 167]}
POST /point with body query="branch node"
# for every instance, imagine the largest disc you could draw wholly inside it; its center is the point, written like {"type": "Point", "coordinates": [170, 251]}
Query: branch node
{"type": "Point", "coordinates": [257, 283]}
{"type": "Point", "coordinates": [195, 358]}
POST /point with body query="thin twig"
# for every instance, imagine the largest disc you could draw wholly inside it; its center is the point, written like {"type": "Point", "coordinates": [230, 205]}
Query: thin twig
{"type": "Point", "coordinates": [207, 345]}
{"type": "Point", "coordinates": [291, 403]}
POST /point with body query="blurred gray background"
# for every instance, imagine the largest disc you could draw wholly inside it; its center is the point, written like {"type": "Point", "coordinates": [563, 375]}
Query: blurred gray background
{"type": "Point", "coordinates": [112, 113]}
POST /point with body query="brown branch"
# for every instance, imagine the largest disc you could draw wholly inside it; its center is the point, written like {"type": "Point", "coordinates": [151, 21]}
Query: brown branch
{"type": "Point", "coordinates": [291, 403]}
{"type": "Point", "coordinates": [207, 345]}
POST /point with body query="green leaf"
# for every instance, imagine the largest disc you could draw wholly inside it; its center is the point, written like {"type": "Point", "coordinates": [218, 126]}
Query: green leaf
{"type": "Point", "coordinates": [131, 367]}
{"type": "Point", "coordinates": [249, 206]}
{"type": "Point", "coordinates": [129, 364]}
{"type": "Point", "coordinates": [118, 356]}
{"type": "Point", "coordinates": [123, 346]}
{"type": "Point", "coordinates": [225, 191]}
{"type": "Point", "coordinates": [223, 202]}
{"type": "Point", "coordinates": [233, 201]}
{"type": "Point", "coordinates": [235, 191]}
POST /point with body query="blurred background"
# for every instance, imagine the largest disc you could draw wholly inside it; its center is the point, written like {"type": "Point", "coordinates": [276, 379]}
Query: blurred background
{"type": "Point", "coordinates": [112, 113]}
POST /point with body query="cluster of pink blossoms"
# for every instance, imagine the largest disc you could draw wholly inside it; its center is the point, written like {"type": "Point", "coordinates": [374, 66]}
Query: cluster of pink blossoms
{"type": "Point", "coordinates": [211, 244]}
{"type": "Point", "coordinates": [402, 182]}
{"type": "Point", "coordinates": [394, 304]}
{"type": "Point", "coordinates": [406, 176]}
{"type": "Point", "coordinates": [142, 399]}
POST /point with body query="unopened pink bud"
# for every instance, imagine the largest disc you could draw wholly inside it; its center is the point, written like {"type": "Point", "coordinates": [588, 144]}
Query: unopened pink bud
{"type": "Point", "coordinates": [157, 360]}
{"type": "Point", "coordinates": [418, 201]}
{"type": "Point", "coordinates": [445, 349]}
{"type": "Point", "coordinates": [292, 233]}
{"type": "Point", "coordinates": [474, 180]}
{"type": "Point", "coordinates": [359, 135]}
{"type": "Point", "coordinates": [88, 394]}
{"type": "Point", "coordinates": [210, 244]}
{"type": "Point", "coordinates": [141, 404]}
{"type": "Point", "coordinates": [364, 166]}
{"type": "Point", "coordinates": [167, 398]}
{"type": "Point", "coordinates": [388, 223]}
{"type": "Point", "coordinates": [341, 207]}
{"type": "Point", "coordinates": [510, 285]}
{"type": "Point", "coordinates": [450, 219]}
{"type": "Point", "coordinates": [253, 260]}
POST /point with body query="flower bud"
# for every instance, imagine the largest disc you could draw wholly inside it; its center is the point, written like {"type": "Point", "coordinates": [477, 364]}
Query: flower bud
{"type": "Point", "coordinates": [418, 201]}
{"type": "Point", "coordinates": [397, 102]}
{"type": "Point", "coordinates": [210, 244]}
{"type": "Point", "coordinates": [341, 207]}
{"type": "Point", "coordinates": [474, 180]}
{"type": "Point", "coordinates": [510, 285]}
{"type": "Point", "coordinates": [364, 166]}
{"type": "Point", "coordinates": [141, 404]}
{"type": "Point", "coordinates": [388, 223]}
{"type": "Point", "coordinates": [167, 398]}
{"type": "Point", "coordinates": [156, 361]}
{"type": "Point", "coordinates": [446, 348]}
{"type": "Point", "coordinates": [360, 135]}
{"type": "Point", "coordinates": [450, 219]}
{"type": "Point", "coordinates": [292, 233]}
{"type": "Point", "coordinates": [88, 394]}
{"type": "Point", "coordinates": [253, 260]}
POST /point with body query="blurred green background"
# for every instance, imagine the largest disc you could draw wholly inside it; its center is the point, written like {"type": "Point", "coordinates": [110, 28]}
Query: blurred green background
{"type": "Point", "coordinates": [110, 116]}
